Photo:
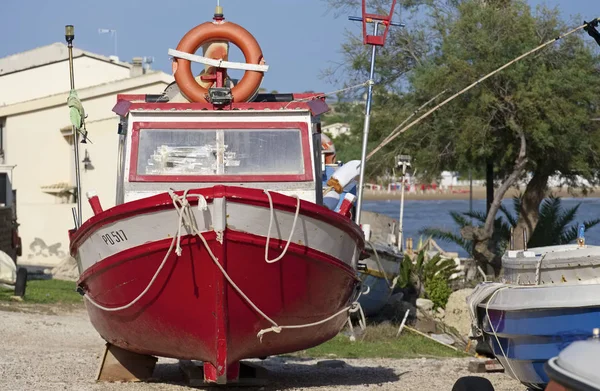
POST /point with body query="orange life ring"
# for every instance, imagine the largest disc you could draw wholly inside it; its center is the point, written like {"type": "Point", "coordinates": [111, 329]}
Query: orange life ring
{"type": "Point", "coordinates": [210, 31]}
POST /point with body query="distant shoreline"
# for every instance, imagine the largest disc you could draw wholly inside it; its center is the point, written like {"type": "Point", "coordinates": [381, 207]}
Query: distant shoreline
{"type": "Point", "coordinates": [462, 193]}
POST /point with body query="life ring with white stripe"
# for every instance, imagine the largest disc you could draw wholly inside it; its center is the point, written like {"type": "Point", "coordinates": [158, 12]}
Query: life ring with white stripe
{"type": "Point", "coordinates": [224, 31]}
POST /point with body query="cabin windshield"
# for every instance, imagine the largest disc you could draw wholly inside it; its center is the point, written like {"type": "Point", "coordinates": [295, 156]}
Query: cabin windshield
{"type": "Point", "coordinates": [225, 152]}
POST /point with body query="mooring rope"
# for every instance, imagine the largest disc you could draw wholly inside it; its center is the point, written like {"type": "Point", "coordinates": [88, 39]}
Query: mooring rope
{"type": "Point", "coordinates": [380, 266]}
{"type": "Point", "coordinates": [319, 96]}
{"type": "Point", "coordinates": [175, 243]}
{"type": "Point", "coordinates": [271, 208]}
{"type": "Point", "coordinates": [538, 269]}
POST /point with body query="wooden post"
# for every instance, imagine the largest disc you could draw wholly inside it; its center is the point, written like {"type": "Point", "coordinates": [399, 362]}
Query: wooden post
{"type": "Point", "coordinates": [121, 365]}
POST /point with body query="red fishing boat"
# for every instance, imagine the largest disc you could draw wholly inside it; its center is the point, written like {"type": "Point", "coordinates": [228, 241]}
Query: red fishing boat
{"type": "Point", "coordinates": [219, 247]}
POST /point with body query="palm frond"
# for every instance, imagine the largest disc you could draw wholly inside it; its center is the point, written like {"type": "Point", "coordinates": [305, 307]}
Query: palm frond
{"type": "Point", "coordinates": [517, 202]}
{"type": "Point", "coordinates": [403, 279]}
{"type": "Point", "coordinates": [459, 219]}
{"type": "Point", "coordinates": [477, 215]}
{"type": "Point", "coordinates": [547, 231]}
{"type": "Point", "coordinates": [568, 216]}
{"type": "Point", "coordinates": [512, 220]}
{"type": "Point", "coordinates": [572, 233]}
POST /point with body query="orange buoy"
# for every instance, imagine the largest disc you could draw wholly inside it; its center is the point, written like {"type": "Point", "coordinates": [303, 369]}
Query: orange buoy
{"type": "Point", "coordinates": [219, 31]}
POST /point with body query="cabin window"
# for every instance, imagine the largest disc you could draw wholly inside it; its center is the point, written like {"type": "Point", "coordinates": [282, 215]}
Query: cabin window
{"type": "Point", "coordinates": [231, 152]}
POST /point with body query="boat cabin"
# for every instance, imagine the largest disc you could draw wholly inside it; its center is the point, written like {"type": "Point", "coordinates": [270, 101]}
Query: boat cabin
{"type": "Point", "coordinates": [271, 143]}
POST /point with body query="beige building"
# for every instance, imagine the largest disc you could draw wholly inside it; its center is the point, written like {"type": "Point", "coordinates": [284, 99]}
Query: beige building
{"type": "Point", "coordinates": [336, 130]}
{"type": "Point", "coordinates": [35, 137]}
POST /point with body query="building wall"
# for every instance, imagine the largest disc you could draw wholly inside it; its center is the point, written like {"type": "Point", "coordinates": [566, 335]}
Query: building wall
{"type": "Point", "coordinates": [336, 130]}
{"type": "Point", "coordinates": [43, 157]}
{"type": "Point", "coordinates": [54, 78]}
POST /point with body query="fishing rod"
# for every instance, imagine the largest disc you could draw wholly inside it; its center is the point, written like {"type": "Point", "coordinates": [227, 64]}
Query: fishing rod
{"type": "Point", "coordinates": [588, 26]}
{"type": "Point", "coordinates": [417, 111]}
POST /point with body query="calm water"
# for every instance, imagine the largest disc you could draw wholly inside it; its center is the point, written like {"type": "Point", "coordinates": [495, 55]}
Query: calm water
{"type": "Point", "coordinates": [421, 214]}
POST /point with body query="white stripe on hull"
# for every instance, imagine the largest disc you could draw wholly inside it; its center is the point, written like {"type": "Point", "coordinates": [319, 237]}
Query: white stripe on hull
{"type": "Point", "coordinates": [144, 228]}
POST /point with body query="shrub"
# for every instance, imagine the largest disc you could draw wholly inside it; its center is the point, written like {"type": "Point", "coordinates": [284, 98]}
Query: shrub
{"type": "Point", "coordinates": [414, 275]}
{"type": "Point", "coordinates": [438, 290]}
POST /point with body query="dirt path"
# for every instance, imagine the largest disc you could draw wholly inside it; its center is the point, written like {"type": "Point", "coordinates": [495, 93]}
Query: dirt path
{"type": "Point", "coordinates": [43, 350]}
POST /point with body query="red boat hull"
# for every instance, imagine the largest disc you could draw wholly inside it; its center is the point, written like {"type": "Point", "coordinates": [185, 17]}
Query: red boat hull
{"type": "Point", "coordinates": [192, 312]}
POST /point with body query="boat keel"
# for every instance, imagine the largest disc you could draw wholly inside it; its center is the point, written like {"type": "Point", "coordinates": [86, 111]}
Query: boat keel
{"type": "Point", "coordinates": [120, 365]}
{"type": "Point", "coordinates": [240, 374]}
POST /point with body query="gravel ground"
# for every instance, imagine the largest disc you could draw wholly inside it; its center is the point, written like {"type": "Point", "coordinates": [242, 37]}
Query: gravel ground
{"type": "Point", "coordinates": [48, 349]}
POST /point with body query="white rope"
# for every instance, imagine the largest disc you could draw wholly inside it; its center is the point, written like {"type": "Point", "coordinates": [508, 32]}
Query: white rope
{"type": "Point", "coordinates": [480, 270]}
{"type": "Point", "coordinates": [271, 226]}
{"type": "Point", "coordinates": [354, 307]}
{"type": "Point", "coordinates": [176, 240]}
{"type": "Point", "coordinates": [487, 314]}
{"type": "Point", "coordinates": [317, 96]}
{"type": "Point", "coordinates": [362, 322]}
{"type": "Point", "coordinates": [538, 269]}
{"type": "Point", "coordinates": [218, 63]}
{"type": "Point", "coordinates": [364, 84]}
{"type": "Point", "coordinates": [380, 266]}
{"type": "Point", "coordinates": [181, 205]}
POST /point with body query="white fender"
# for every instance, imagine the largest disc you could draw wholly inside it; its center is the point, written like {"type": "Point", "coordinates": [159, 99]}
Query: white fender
{"type": "Point", "coordinates": [344, 175]}
{"type": "Point", "coordinates": [8, 269]}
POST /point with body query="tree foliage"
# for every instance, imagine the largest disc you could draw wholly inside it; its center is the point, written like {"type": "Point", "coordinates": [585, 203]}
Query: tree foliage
{"type": "Point", "coordinates": [534, 117]}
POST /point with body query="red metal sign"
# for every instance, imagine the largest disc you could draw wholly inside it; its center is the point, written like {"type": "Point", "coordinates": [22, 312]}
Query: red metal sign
{"type": "Point", "coordinates": [377, 40]}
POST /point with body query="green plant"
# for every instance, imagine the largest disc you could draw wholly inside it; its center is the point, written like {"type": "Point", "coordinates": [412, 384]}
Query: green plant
{"type": "Point", "coordinates": [414, 273]}
{"type": "Point", "coordinates": [438, 290]}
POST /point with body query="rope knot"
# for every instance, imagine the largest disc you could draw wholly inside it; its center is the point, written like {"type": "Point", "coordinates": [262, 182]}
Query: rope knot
{"type": "Point", "coordinates": [273, 329]}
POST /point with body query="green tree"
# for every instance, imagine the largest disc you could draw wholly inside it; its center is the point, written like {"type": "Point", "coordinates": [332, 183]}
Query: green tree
{"type": "Point", "coordinates": [534, 117]}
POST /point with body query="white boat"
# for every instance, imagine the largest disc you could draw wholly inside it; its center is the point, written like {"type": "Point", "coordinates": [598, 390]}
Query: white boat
{"type": "Point", "coordinates": [378, 275]}
{"type": "Point", "coordinates": [552, 265]}
{"type": "Point", "coordinates": [576, 368]}
{"type": "Point", "coordinates": [549, 298]}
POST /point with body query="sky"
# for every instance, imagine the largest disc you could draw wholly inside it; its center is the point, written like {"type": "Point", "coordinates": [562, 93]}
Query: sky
{"type": "Point", "coordinates": [300, 38]}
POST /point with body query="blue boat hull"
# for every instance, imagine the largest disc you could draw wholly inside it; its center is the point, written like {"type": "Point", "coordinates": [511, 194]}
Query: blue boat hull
{"type": "Point", "coordinates": [525, 340]}
{"type": "Point", "coordinates": [379, 293]}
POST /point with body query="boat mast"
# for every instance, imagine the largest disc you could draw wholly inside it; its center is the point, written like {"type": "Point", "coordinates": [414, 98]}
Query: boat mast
{"type": "Point", "coordinates": [69, 37]}
{"type": "Point", "coordinates": [374, 40]}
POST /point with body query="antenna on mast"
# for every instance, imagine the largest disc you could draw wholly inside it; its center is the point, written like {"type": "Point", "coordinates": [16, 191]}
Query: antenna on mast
{"type": "Point", "coordinates": [113, 34]}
